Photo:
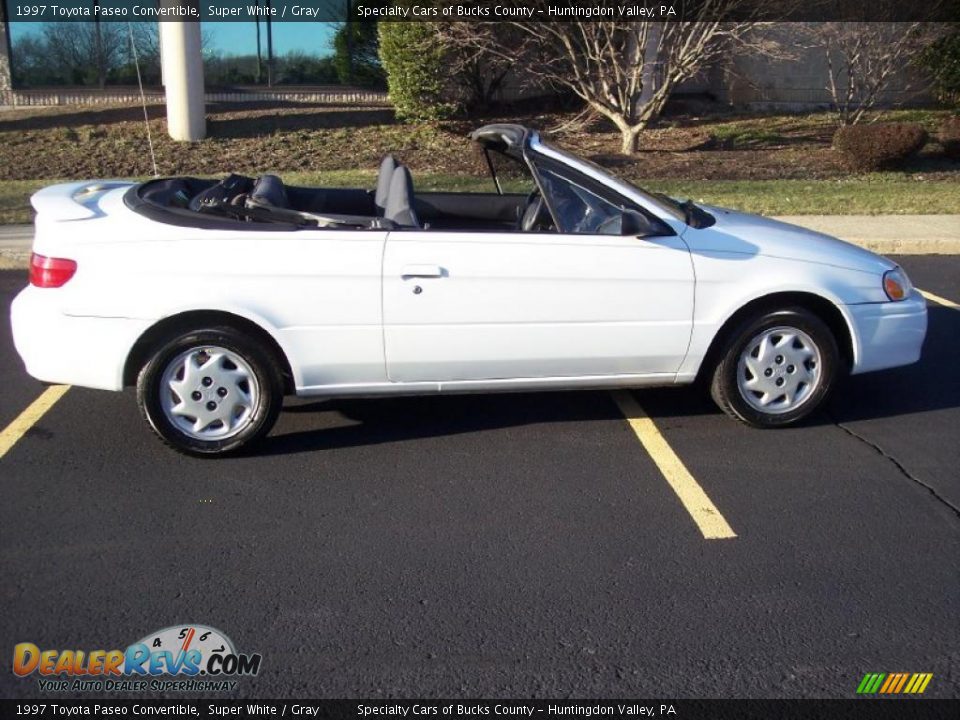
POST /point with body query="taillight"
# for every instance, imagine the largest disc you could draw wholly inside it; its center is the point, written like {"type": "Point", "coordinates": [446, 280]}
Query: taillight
{"type": "Point", "coordinates": [47, 272]}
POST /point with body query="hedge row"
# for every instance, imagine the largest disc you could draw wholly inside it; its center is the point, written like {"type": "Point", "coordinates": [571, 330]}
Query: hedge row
{"type": "Point", "coordinates": [882, 146]}
{"type": "Point", "coordinates": [950, 137]}
{"type": "Point", "coordinates": [416, 70]}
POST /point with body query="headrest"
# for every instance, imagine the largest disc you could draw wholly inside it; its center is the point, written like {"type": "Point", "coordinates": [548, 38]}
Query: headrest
{"type": "Point", "coordinates": [269, 190]}
{"type": "Point", "coordinates": [387, 166]}
{"type": "Point", "coordinates": [400, 199]}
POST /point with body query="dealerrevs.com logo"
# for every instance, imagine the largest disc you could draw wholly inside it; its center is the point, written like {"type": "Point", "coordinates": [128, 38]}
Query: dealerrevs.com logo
{"type": "Point", "coordinates": [187, 658]}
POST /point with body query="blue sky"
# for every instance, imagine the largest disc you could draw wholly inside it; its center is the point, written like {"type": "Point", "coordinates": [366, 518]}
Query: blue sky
{"type": "Point", "coordinates": [236, 38]}
{"type": "Point", "coordinates": [240, 38]}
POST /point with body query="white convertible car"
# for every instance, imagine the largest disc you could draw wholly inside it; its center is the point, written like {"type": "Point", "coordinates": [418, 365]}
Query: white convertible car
{"type": "Point", "coordinates": [218, 298]}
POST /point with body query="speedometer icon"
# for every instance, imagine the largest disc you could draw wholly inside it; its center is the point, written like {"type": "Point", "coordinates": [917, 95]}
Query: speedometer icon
{"type": "Point", "coordinates": [184, 638]}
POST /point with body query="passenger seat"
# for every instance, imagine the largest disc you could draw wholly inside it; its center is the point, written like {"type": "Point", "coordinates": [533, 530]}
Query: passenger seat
{"type": "Point", "coordinates": [399, 206]}
{"type": "Point", "coordinates": [384, 176]}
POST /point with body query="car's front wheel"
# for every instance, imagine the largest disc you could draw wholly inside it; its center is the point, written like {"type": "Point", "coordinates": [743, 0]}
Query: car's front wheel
{"type": "Point", "coordinates": [776, 368]}
{"type": "Point", "coordinates": [210, 391]}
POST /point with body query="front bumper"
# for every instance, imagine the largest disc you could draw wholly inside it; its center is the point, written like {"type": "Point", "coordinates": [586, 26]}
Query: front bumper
{"type": "Point", "coordinates": [888, 334]}
{"type": "Point", "coordinates": [59, 348]}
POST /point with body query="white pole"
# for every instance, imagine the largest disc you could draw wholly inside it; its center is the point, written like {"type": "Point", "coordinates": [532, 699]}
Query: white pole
{"type": "Point", "coordinates": [183, 77]}
{"type": "Point", "coordinates": [163, 64]}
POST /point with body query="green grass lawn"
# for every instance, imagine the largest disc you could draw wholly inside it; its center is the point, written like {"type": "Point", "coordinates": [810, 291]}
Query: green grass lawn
{"type": "Point", "coordinates": [877, 195]}
{"type": "Point", "coordinates": [870, 195]}
{"type": "Point", "coordinates": [15, 200]}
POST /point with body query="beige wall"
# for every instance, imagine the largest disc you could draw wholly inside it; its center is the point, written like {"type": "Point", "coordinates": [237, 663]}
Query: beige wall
{"type": "Point", "coordinates": [799, 81]}
{"type": "Point", "coordinates": [747, 78]}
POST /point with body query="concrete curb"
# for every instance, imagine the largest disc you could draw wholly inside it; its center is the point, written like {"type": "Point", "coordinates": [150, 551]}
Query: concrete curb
{"type": "Point", "coordinates": [12, 264]}
{"type": "Point", "coordinates": [15, 246]}
{"type": "Point", "coordinates": [889, 234]}
{"type": "Point", "coordinates": [884, 234]}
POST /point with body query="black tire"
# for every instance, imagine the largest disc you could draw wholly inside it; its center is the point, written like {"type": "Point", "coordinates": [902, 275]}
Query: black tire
{"type": "Point", "coordinates": [258, 418]}
{"type": "Point", "coordinates": [725, 387]}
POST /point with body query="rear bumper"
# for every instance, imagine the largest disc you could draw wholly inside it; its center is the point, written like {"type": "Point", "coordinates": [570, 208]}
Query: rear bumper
{"type": "Point", "coordinates": [888, 334]}
{"type": "Point", "coordinates": [59, 348]}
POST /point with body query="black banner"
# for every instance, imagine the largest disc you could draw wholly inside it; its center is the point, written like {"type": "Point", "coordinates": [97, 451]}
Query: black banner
{"type": "Point", "coordinates": [859, 709]}
{"type": "Point", "coordinates": [476, 10]}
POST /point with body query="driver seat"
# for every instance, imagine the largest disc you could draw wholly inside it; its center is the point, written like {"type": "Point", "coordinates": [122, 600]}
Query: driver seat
{"type": "Point", "coordinates": [269, 193]}
{"type": "Point", "coordinates": [536, 216]}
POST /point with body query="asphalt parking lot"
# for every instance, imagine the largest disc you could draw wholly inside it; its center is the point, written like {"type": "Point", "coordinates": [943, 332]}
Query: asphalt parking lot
{"type": "Point", "coordinates": [505, 546]}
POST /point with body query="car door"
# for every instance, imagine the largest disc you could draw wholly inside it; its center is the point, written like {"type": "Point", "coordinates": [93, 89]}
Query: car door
{"type": "Point", "coordinates": [466, 306]}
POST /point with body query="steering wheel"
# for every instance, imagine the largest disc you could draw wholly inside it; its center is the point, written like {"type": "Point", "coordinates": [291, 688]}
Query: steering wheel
{"type": "Point", "coordinates": [532, 215]}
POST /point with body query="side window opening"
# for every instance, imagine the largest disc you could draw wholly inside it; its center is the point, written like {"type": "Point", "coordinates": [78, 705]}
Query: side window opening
{"type": "Point", "coordinates": [510, 176]}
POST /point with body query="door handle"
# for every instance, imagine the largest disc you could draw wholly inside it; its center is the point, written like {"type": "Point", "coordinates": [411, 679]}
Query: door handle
{"type": "Point", "coordinates": [422, 271]}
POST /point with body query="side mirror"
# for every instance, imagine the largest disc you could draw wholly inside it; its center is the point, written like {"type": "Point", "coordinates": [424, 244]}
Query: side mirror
{"type": "Point", "coordinates": [636, 224]}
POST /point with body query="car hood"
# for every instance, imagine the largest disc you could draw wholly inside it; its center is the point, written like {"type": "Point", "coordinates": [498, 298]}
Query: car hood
{"type": "Point", "coordinates": [741, 232]}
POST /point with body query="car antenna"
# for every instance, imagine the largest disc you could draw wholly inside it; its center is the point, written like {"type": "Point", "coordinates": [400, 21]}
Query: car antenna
{"type": "Point", "coordinates": [143, 99]}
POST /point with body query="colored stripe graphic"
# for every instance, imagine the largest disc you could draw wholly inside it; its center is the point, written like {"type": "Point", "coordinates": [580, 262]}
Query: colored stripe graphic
{"type": "Point", "coordinates": [892, 679]}
{"type": "Point", "coordinates": [903, 681]}
{"type": "Point", "coordinates": [894, 683]}
{"type": "Point", "coordinates": [870, 684]}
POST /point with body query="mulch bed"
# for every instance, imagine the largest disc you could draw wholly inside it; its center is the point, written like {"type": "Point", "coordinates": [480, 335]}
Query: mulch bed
{"type": "Point", "coordinates": [249, 138]}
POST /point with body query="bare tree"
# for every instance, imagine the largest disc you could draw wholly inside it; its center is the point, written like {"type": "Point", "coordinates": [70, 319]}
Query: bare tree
{"type": "Point", "coordinates": [863, 58]}
{"type": "Point", "coordinates": [85, 51]}
{"type": "Point", "coordinates": [62, 53]}
{"type": "Point", "coordinates": [625, 71]}
{"type": "Point", "coordinates": [477, 67]}
{"type": "Point", "coordinates": [5, 75]}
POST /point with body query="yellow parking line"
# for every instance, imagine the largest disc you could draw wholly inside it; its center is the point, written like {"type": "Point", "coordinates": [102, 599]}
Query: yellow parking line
{"type": "Point", "coordinates": [939, 300]}
{"type": "Point", "coordinates": [28, 418]}
{"type": "Point", "coordinates": [704, 513]}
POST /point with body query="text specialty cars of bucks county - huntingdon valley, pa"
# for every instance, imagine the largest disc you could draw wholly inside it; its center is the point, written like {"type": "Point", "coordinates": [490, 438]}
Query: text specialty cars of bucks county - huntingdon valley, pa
{"type": "Point", "coordinates": [218, 298]}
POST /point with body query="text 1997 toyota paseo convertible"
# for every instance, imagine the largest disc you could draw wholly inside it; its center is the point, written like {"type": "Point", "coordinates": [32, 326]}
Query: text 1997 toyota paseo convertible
{"type": "Point", "coordinates": [218, 298]}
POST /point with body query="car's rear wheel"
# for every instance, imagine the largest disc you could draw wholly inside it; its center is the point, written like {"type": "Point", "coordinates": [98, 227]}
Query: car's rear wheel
{"type": "Point", "coordinates": [776, 368]}
{"type": "Point", "coordinates": [210, 392]}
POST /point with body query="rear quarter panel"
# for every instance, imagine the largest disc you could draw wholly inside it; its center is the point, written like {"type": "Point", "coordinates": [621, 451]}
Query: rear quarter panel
{"type": "Point", "coordinates": [317, 292]}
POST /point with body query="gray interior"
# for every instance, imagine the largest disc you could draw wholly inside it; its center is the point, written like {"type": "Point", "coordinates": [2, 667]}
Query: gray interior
{"type": "Point", "coordinates": [399, 206]}
{"type": "Point", "coordinates": [268, 203]}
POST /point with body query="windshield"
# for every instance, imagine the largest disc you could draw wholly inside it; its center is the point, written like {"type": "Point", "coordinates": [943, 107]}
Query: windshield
{"type": "Point", "coordinates": [659, 200]}
{"type": "Point", "coordinates": [579, 210]}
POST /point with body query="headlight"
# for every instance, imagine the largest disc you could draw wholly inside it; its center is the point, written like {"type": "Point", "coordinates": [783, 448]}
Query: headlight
{"type": "Point", "coordinates": [896, 284]}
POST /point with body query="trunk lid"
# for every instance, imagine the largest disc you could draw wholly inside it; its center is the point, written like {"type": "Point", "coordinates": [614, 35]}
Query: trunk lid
{"type": "Point", "coordinates": [73, 201]}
